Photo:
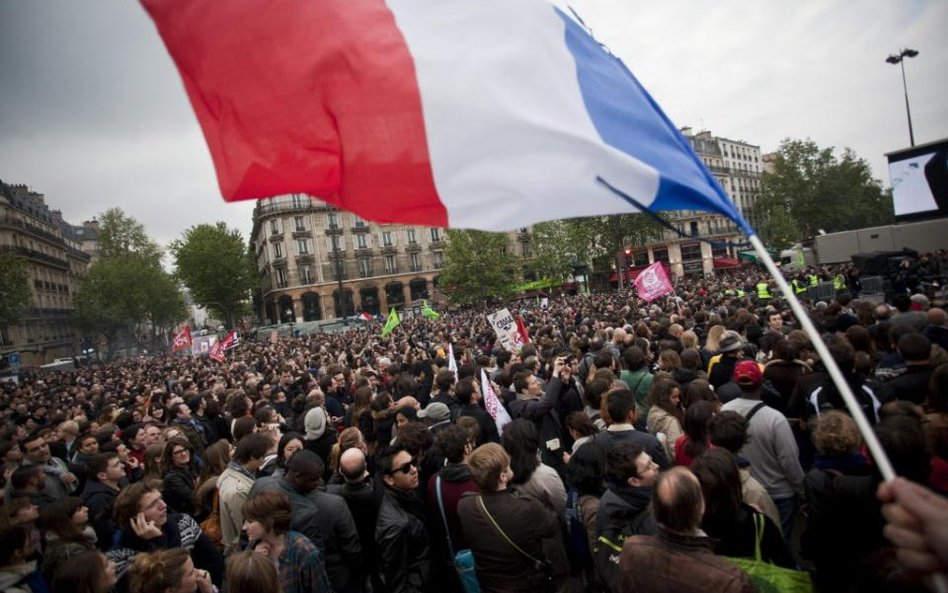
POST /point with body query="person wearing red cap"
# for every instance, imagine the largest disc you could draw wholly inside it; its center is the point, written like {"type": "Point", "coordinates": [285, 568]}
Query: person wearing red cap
{"type": "Point", "coordinates": [771, 449]}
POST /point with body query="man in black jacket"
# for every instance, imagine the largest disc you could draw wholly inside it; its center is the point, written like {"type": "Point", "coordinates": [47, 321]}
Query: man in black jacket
{"type": "Point", "coordinates": [105, 473]}
{"type": "Point", "coordinates": [400, 534]}
{"type": "Point", "coordinates": [469, 397]}
{"type": "Point", "coordinates": [363, 496]}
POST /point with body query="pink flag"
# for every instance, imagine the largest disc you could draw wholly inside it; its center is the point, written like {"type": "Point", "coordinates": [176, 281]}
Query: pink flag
{"type": "Point", "coordinates": [653, 282]}
{"type": "Point", "coordinates": [182, 339]}
{"type": "Point", "coordinates": [493, 405]}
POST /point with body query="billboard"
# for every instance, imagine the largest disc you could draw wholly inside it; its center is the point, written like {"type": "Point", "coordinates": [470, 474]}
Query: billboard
{"type": "Point", "coordinates": [919, 177]}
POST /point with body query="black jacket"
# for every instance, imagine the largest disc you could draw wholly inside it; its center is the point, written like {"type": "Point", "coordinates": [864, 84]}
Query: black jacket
{"type": "Point", "coordinates": [178, 490]}
{"type": "Point", "coordinates": [489, 432]}
{"type": "Point", "coordinates": [404, 552]}
{"type": "Point", "coordinates": [98, 497]}
{"type": "Point", "coordinates": [543, 413]}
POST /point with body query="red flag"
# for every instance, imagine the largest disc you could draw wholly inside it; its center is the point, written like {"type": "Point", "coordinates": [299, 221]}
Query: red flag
{"type": "Point", "coordinates": [653, 282]}
{"type": "Point", "coordinates": [182, 339]}
{"type": "Point", "coordinates": [522, 330]}
{"type": "Point", "coordinates": [217, 352]}
{"type": "Point", "coordinates": [230, 341]}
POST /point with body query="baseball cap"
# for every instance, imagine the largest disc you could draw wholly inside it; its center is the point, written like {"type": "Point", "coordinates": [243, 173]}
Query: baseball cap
{"type": "Point", "coordinates": [747, 372]}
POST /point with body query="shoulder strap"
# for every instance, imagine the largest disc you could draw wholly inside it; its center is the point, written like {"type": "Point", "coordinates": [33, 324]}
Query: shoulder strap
{"type": "Point", "coordinates": [759, 524]}
{"type": "Point", "coordinates": [444, 518]}
{"type": "Point", "coordinates": [753, 411]}
{"type": "Point", "coordinates": [480, 501]}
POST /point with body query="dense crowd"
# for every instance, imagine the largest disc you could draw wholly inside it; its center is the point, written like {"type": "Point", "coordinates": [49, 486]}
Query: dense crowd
{"type": "Point", "coordinates": [648, 444]}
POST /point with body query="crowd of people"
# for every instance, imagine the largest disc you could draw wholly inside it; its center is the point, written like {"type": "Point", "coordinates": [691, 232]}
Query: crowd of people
{"type": "Point", "coordinates": [647, 444]}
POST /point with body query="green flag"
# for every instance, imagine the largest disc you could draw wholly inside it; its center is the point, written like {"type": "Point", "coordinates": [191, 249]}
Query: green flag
{"type": "Point", "coordinates": [392, 323]}
{"type": "Point", "coordinates": [428, 312]}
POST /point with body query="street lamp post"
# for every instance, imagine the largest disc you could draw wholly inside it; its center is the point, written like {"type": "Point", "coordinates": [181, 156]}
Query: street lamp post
{"type": "Point", "coordinates": [900, 60]}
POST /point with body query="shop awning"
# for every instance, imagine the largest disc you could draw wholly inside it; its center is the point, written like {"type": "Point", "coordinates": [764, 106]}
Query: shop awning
{"type": "Point", "coordinates": [723, 263]}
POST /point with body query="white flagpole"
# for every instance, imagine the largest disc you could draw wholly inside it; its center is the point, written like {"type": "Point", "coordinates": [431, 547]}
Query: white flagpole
{"type": "Point", "coordinates": [868, 435]}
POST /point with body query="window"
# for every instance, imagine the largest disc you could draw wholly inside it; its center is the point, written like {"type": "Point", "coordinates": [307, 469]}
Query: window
{"type": "Point", "coordinates": [365, 267]}
{"type": "Point", "coordinates": [333, 219]}
{"type": "Point", "coordinates": [298, 224]}
{"type": "Point", "coordinates": [302, 247]}
{"type": "Point", "coordinates": [274, 227]}
{"type": "Point", "coordinates": [361, 242]}
{"type": "Point", "coordinates": [525, 249]}
{"type": "Point", "coordinates": [640, 259]}
{"type": "Point", "coordinates": [297, 201]}
{"type": "Point", "coordinates": [437, 259]}
{"type": "Point", "coordinates": [281, 278]}
{"type": "Point", "coordinates": [387, 239]}
{"type": "Point", "coordinates": [691, 252]}
{"type": "Point", "coordinates": [390, 265]}
{"type": "Point", "coordinates": [334, 242]}
{"type": "Point", "coordinates": [359, 222]}
{"type": "Point", "coordinates": [278, 250]}
{"type": "Point", "coordinates": [412, 238]}
{"type": "Point", "coordinates": [435, 235]}
{"type": "Point", "coordinates": [661, 255]}
{"type": "Point", "coordinates": [306, 274]}
{"type": "Point", "coordinates": [415, 262]}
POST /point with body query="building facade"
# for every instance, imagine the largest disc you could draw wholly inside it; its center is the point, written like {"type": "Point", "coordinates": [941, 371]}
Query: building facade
{"type": "Point", "coordinates": [738, 167]}
{"type": "Point", "coordinates": [52, 250]}
{"type": "Point", "coordinates": [304, 247]}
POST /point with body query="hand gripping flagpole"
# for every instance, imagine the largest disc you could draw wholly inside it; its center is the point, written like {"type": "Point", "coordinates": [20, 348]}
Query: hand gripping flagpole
{"type": "Point", "coordinates": [868, 435]}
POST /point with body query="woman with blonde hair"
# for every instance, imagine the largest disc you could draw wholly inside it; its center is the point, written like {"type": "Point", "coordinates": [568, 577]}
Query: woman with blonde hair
{"type": "Point", "coordinates": [350, 438]}
{"type": "Point", "coordinates": [712, 344]}
{"type": "Point", "coordinates": [250, 572]}
{"type": "Point", "coordinates": [168, 571]}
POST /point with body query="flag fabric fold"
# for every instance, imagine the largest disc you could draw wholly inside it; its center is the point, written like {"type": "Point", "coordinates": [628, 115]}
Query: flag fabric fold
{"type": "Point", "coordinates": [428, 312]}
{"type": "Point", "coordinates": [452, 362]}
{"type": "Point", "coordinates": [492, 403]}
{"type": "Point", "coordinates": [182, 340]}
{"type": "Point", "coordinates": [653, 282]}
{"type": "Point", "coordinates": [392, 322]}
{"type": "Point", "coordinates": [368, 105]}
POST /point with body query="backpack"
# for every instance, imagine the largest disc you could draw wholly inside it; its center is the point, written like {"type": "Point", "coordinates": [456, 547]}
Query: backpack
{"type": "Point", "coordinates": [212, 525]}
{"type": "Point", "coordinates": [608, 546]}
{"type": "Point", "coordinates": [577, 544]}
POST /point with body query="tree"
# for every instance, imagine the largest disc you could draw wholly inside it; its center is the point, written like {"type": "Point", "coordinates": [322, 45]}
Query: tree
{"type": "Point", "coordinates": [213, 263]}
{"type": "Point", "coordinates": [811, 189]}
{"type": "Point", "coordinates": [599, 239]}
{"type": "Point", "coordinates": [120, 234]}
{"type": "Point", "coordinates": [476, 266]}
{"type": "Point", "coordinates": [122, 291]}
{"type": "Point", "coordinates": [126, 285]}
{"type": "Point", "coordinates": [554, 250]}
{"type": "Point", "coordinates": [14, 287]}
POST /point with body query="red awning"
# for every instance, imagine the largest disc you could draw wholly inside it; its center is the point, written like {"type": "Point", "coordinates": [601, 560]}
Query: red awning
{"type": "Point", "coordinates": [725, 262]}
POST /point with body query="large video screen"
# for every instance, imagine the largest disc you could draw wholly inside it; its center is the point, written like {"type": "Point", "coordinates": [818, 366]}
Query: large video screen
{"type": "Point", "coordinates": [919, 177]}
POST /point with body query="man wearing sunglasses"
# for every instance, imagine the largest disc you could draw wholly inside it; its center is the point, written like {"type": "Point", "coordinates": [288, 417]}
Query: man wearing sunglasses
{"type": "Point", "coordinates": [404, 554]}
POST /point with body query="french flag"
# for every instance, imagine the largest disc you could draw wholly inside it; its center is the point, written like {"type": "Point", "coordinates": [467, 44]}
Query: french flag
{"type": "Point", "coordinates": [488, 114]}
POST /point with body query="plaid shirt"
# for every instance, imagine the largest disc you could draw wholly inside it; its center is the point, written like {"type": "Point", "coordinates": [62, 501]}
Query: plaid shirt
{"type": "Point", "coordinates": [302, 566]}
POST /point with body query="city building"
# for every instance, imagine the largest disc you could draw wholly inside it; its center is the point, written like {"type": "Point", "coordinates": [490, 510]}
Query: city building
{"type": "Point", "coordinates": [738, 167]}
{"type": "Point", "coordinates": [52, 250]}
{"type": "Point", "coordinates": [319, 262]}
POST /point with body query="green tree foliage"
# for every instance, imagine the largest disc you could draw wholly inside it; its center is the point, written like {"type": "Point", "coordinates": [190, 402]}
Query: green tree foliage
{"type": "Point", "coordinates": [122, 291]}
{"type": "Point", "coordinates": [597, 240]}
{"type": "Point", "coordinates": [120, 234]}
{"type": "Point", "coordinates": [554, 250]}
{"type": "Point", "coordinates": [213, 263]}
{"type": "Point", "coordinates": [126, 285]}
{"type": "Point", "coordinates": [811, 188]}
{"type": "Point", "coordinates": [14, 287]}
{"type": "Point", "coordinates": [477, 266]}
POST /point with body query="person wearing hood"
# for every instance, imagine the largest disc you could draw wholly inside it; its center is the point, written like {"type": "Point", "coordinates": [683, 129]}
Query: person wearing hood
{"type": "Point", "coordinates": [445, 489]}
{"type": "Point", "coordinates": [319, 437]}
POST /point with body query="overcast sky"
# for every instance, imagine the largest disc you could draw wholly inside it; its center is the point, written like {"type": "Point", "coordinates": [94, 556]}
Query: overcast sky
{"type": "Point", "coordinates": [93, 113]}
